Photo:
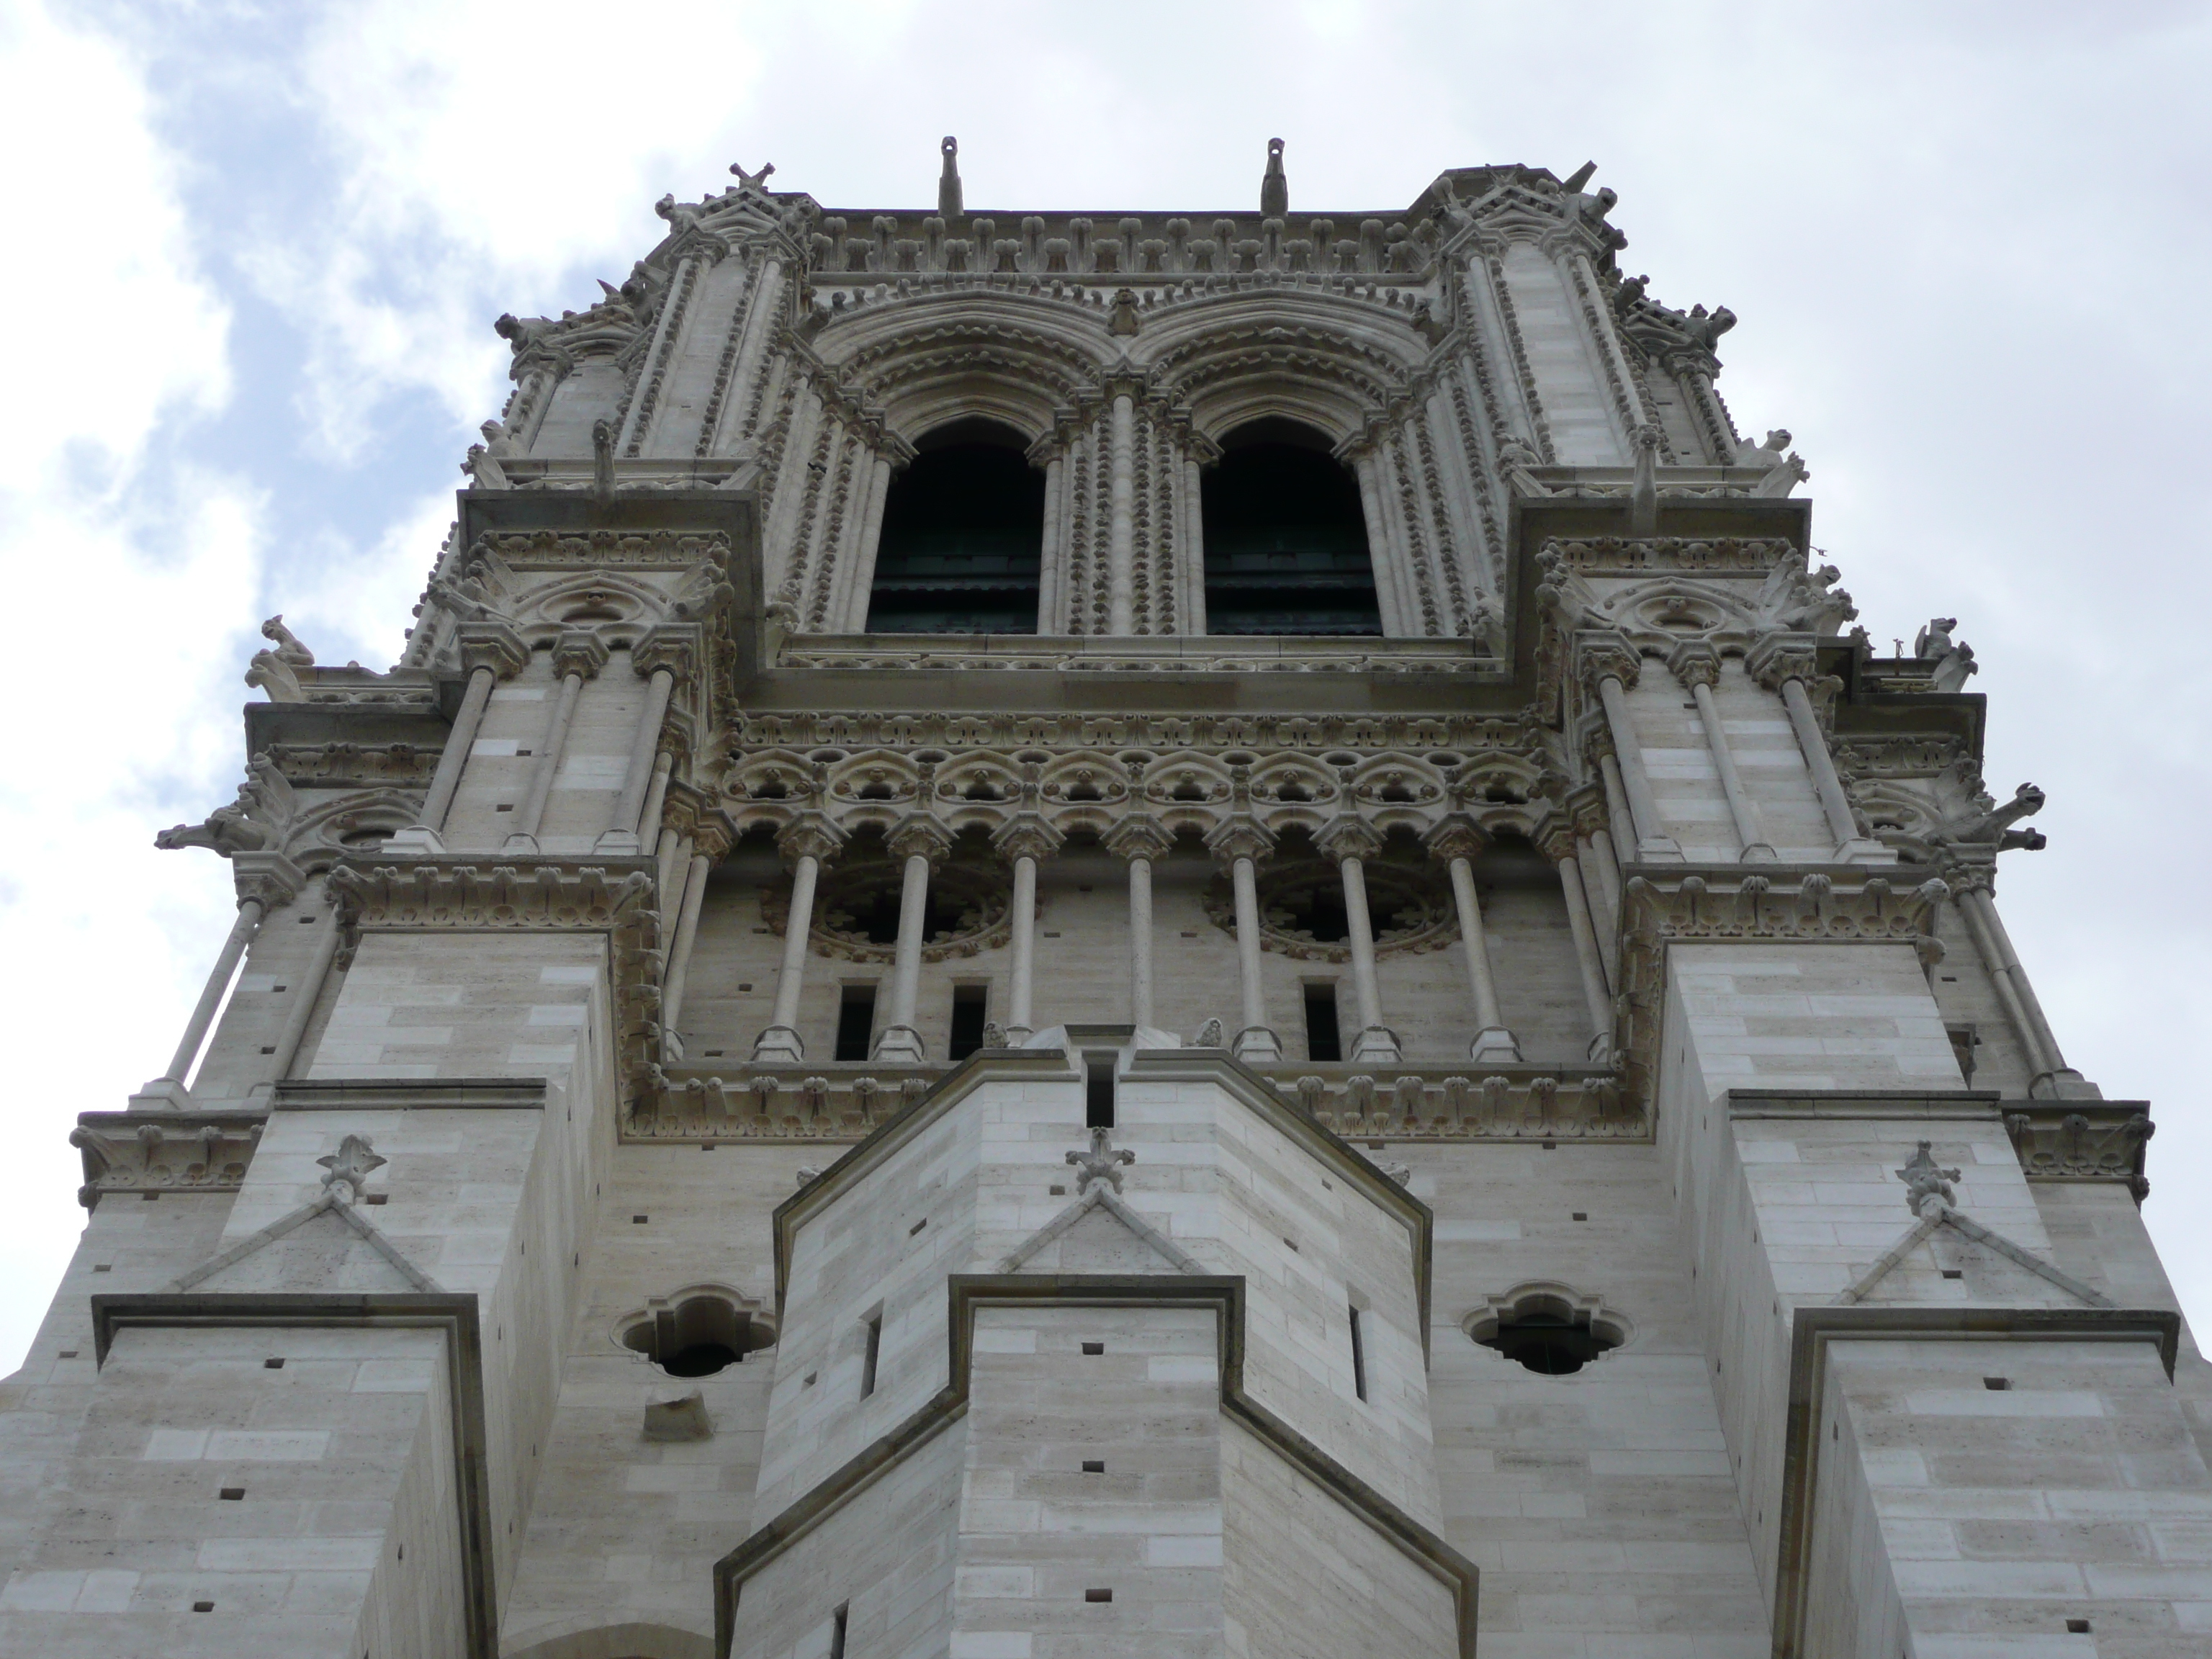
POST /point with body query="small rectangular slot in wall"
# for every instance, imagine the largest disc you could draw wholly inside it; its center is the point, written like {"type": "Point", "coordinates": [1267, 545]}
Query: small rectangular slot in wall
{"type": "Point", "coordinates": [856, 1021]}
{"type": "Point", "coordinates": [837, 1621]}
{"type": "Point", "coordinates": [1099, 1091]}
{"type": "Point", "coordinates": [1094, 1347]}
{"type": "Point", "coordinates": [1996, 1384]}
{"type": "Point", "coordinates": [1094, 1465]}
{"type": "Point", "coordinates": [875, 1330]}
{"type": "Point", "coordinates": [1098, 1596]}
{"type": "Point", "coordinates": [1359, 1352]}
{"type": "Point", "coordinates": [1323, 1040]}
{"type": "Point", "coordinates": [231, 1494]}
{"type": "Point", "coordinates": [970, 1005]}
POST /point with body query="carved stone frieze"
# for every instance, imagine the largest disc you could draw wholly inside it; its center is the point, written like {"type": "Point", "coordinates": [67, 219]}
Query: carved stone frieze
{"type": "Point", "coordinates": [2077, 1141]}
{"type": "Point", "coordinates": [326, 764]}
{"type": "Point", "coordinates": [1633, 555]}
{"type": "Point", "coordinates": [181, 1152]}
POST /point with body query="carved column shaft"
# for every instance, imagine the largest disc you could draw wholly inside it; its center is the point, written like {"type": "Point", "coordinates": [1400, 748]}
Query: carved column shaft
{"type": "Point", "coordinates": [1244, 884]}
{"type": "Point", "coordinates": [679, 954]}
{"type": "Point", "coordinates": [1120, 545]}
{"type": "Point", "coordinates": [446, 780]}
{"type": "Point", "coordinates": [781, 1042]}
{"type": "Point", "coordinates": [1997, 955]}
{"type": "Point", "coordinates": [1050, 579]}
{"type": "Point", "coordinates": [656, 798]}
{"type": "Point", "coordinates": [1616, 806]}
{"type": "Point", "coordinates": [644, 752]}
{"type": "Point", "coordinates": [1743, 813]}
{"type": "Point", "coordinates": [1491, 1038]}
{"type": "Point", "coordinates": [549, 760]}
{"type": "Point", "coordinates": [899, 1039]}
{"type": "Point", "coordinates": [170, 1085]}
{"type": "Point", "coordinates": [1375, 1040]}
{"type": "Point", "coordinates": [1140, 940]}
{"type": "Point", "coordinates": [1595, 994]}
{"type": "Point", "coordinates": [1022, 923]}
{"type": "Point", "coordinates": [1652, 841]}
{"type": "Point", "coordinates": [1822, 764]}
{"type": "Point", "coordinates": [308, 994]}
{"type": "Point", "coordinates": [1194, 550]}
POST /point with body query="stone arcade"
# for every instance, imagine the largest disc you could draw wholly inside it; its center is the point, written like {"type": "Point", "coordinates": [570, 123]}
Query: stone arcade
{"type": "Point", "coordinates": [1117, 934]}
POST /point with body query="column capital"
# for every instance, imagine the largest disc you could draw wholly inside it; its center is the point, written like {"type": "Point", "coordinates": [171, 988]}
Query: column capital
{"type": "Point", "coordinates": [671, 646]}
{"type": "Point", "coordinates": [580, 651]}
{"type": "Point", "coordinates": [920, 836]}
{"type": "Point", "coordinates": [1239, 838]}
{"type": "Point", "coordinates": [811, 836]}
{"type": "Point", "coordinates": [1695, 663]}
{"type": "Point", "coordinates": [1456, 837]}
{"type": "Point", "coordinates": [1346, 836]}
{"type": "Point", "coordinates": [1026, 835]}
{"type": "Point", "coordinates": [1781, 656]}
{"type": "Point", "coordinates": [1139, 835]}
{"type": "Point", "coordinates": [1602, 653]}
{"type": "Point", "coordinates": [492, 645]}
{"type": "Point", "coordinates": [270, 878]}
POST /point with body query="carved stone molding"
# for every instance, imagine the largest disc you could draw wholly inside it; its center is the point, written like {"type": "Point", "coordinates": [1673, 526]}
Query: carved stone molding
{"type": "Point", "coordinates": [323, 764]}
{"type": "Point", "coordinates": [181, 1152]}
{"type": "Point", "coordinates": [1633, 555]}
{"type": "Point", "coordinates": [546, 897]}
{"type": "Point", "coordinates": [2078, 1140]}
{"type": "Point", "coordinates": [494, 645]}
{"type": "Point", "coordinates": [550, 550]}
{"type": "Point", "coordinates": [580, 651]}
{"type": "Point", "coordinates": [1726, 905]}
{"type": "Point", "coordinates": [855, 729]}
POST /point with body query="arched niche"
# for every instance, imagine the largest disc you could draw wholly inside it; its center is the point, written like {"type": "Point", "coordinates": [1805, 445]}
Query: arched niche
{"type": "Point", "coordinates": [1286, 537]}
{"type": "Point", "coordinates": [961, 543]}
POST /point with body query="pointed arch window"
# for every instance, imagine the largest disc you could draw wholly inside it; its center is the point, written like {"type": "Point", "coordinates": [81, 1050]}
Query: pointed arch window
{"type": "Point", "coordinates": [1286, 537]}
{"type": "Point", "coordinates": [963, 536]}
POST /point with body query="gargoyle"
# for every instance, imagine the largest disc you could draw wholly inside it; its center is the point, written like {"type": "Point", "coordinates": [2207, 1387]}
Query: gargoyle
{"type": "Point", "coordinates": [1954, 659]}
{"type": "Point", "coordinates": [1101, 1163]}
{"type": "Point", "coordinates": [1514, 459]}
{"type": "Point", "coordinates": [289, 648]}
{"type": "Point", "coordinates": [1925, 1182]}
{"type": "Point", "coordinates": [254, 822]}
{"type": "Point", "coordinates": [1802, 604]}
{"type": "Point", "coordinates": [1991, 825]}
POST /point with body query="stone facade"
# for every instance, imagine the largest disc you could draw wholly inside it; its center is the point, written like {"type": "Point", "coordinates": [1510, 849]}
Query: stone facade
{"type": "Point", "coordinates": [805, 1079]}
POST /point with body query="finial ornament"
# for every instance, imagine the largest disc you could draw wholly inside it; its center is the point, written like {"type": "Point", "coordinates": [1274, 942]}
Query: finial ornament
{"type": "Point", "coordinates": [1274, 186]}
{"type": "Point", "coordinates": [349, 1167]}
{"type": "Point", "coordinates": [755, 181]}
{"type": "Point", "coordinates": [1925, 1181]}
{"type": "Point", "coordinates": [1101, 1163]}
{"type": "Point", "coordinates": [948, 183]}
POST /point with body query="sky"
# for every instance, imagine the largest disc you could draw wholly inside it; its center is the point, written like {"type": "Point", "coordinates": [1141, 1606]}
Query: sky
{"type": "Point", "coordinates": [257, 251]}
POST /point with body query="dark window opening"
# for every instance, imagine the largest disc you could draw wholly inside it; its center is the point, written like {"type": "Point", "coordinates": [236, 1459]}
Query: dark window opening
{"type": "Point", "coordinates": [1358, 1354]}
{"type": "Point", "coordinates": [875, 1330]}
{"type": "Point", "coordinates": [1285, 539]}
{"type": "Point", "coordinates": [1550, 1343]}
{"type": "Point", "coordinates": [963, 535]}
{"type": "Point", "coordinates": [1324, 1040]}
{"type": "Point", "coordinates": [856, 1021]}
{"type": "Point", "coordinates": [837, 1621]}
{"type": "Point", "coordinates": [969, 1004]}
{"type": "Point", "coordinates": [698, 1337]}
{"type": "Point", "coordinates": [875, 912]}
{"type": "Point", "coordinates": [1099, 1091]}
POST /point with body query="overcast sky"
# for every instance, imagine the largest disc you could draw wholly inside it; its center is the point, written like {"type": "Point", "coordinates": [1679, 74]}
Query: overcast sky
{"type": "Point", "coordinates": [255, 253]}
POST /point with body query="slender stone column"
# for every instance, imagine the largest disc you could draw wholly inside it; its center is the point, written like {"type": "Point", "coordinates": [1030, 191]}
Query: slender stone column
{"type": "Point", "coordinates": [1616, 806]}
{"type": "Point", "coordinates": [1049, 453]}
{"type": "Point", "coordinates": [679, 954]}
{"type": "Point", "coordinates": [1140, 838]}
{"type": "Point", "coordinates": [1595, 994]}
{"type": "Point", "coordinates": [1456, 842]}
{"type": "Point", "coordinates": [490, 652]}
{"type": "Point", "coordinates": [1786, 664]}
{"type": "Point", "coordinates": [1239, 843]}
{"type": "Point", "coordinates": [1193, 544]}
{"type": "Point", "coordinates": [1351, 842]}
{"type": "Point", "coordinates": [806, 843]}
{"type": "Point", "coordinates": [266, 881]}
{"type": "Point", "coordinates": [1615, 669]}
{"type": "Point", "coordinates": [921, 843]}
{"type": "Point", "coordinates": [1607, 864]}
{"type": "Point", "coordinates": [1698, 667]}
{"type": "Point", "coordinates": [1024, 839]}
{"type": "Point", "coordinates": [576, 657]}
{"type": "Point", "coordinates": [656, 797]}
{"type": "Point", "coordinates": [308, 993]}
{"type": "Point", "coordinates": [2053, 1079]}
{"type": "Point", "coordinates": [1121, 532]}
{"type": "Point", "coordinates": [621, 835]}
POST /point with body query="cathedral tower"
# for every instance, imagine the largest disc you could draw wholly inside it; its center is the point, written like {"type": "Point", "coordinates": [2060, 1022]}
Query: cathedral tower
{"type": "Point", "coordinates": [1092, 932]}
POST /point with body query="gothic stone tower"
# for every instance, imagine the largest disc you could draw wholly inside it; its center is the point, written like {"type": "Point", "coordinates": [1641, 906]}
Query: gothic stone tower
{"type": "Point", "coordinates": [1078, 934]}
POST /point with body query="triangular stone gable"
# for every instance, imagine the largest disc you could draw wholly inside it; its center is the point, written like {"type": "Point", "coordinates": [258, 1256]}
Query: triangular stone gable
{"type": "Point", "coordinates": [1099, 1233]}
{"type": "Point", "coordinates": [326, 1245]}
{"type": "Point", "coordinates": [1991, 1268]}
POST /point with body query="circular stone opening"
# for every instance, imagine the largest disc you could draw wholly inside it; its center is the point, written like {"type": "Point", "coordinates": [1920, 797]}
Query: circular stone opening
{"type": "Point", "coordinates": [699, 1336]}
